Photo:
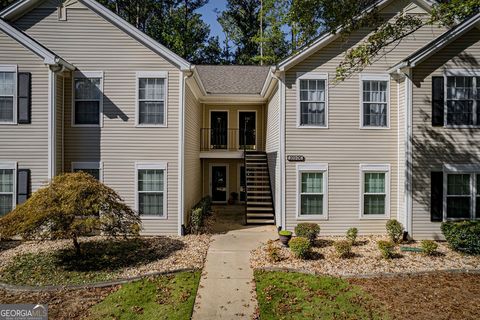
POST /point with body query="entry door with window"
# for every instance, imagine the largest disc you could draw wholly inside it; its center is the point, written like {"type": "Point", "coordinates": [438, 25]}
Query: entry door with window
{"type": "Point", "coordinates": [247, 125]}
{"type": "Point", "coordinates": [219, 183]}
{"type": "Point", "coordinates": [218, 129]}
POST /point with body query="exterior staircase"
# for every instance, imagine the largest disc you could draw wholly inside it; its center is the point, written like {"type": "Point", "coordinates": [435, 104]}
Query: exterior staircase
{"type": "Point", "coordinates": [259, 202]}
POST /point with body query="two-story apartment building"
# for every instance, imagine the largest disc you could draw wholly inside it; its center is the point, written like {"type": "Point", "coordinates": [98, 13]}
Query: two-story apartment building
{"type": "Point", "coordinates": [81, 89]}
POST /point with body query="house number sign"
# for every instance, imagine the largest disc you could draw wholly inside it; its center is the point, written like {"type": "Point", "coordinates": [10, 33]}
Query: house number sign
{"type": "Point", "coordinates": [296, 158]}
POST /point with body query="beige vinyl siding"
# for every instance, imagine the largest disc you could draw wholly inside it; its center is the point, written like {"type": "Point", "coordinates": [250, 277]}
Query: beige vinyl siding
{"type": "Point", "coordinates": [59, 92]}
{"type": "Point", "coordinates": [92, 44]}
{"type": "Point", "coordinates": [343, 145]}
{"type": "Point", "coordinates": [401, 152]}
{"type": "Point", "coordinates": [272, 145]}
{"type": "Point", "coordinates": [192, 162]}
{"type": "Point", "coordinates": [435, 146]}
{"type": "Point", "coordinates": [27, 143]}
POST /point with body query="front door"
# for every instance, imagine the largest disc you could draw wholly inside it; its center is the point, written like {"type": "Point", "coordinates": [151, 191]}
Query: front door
{"type": "Point", "coordinates": [218, 129]}
{"type": "Point", "coordinates": [219, 183]}
{"type": "Point", "coordinates": [247, 125]}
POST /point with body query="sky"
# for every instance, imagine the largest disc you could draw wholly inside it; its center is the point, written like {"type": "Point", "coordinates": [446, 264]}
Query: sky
{"type": "Point", "coordinates": [210, 17]}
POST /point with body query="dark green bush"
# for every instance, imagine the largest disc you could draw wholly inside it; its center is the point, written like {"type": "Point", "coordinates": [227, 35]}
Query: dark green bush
{"type": "Point", "coordinates": [352, 235]}
{"type": "Point", "coordinates": [300, 247]}
{"type": "Point", "coordinates": [463, 236]}
{"type": "Point", "coordinates": [206, 205]}
{"type": "Point", "coordinates": [387, 249]}
{"type": "Point", "coordinates": [343, 248]}
{"type": "Point", "coordinates": [429, 247]}
{"type": "Point", "coordinates": [307, 230]}
{"type": "Point", "coordinates": [394, 230]}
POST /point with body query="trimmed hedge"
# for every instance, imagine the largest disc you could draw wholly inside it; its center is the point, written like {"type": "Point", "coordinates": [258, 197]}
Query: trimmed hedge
{"type": "Point", "coordinates": [463, 236]}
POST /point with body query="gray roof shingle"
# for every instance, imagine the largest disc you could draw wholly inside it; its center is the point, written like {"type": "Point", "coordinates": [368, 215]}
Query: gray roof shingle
{"type": "Point", "coordinates": [232, 79]}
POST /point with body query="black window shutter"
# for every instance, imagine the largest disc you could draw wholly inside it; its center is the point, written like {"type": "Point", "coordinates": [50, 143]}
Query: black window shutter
{"type": "Point", "coordinates": [438, 101]}
{"type": "Point", "coordinates": [24, 101]}
{"type": "Point", "coordinates": [436, 199]}
{"type": "Point", "coordinates": [23, 185]}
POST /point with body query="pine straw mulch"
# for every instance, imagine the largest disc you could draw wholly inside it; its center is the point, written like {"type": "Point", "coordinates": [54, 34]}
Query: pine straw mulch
{"type": "Point", "coordinates": [366, 259]}
{"type": "Point", "coordinates": [62, 304]}
{"type": "Point", "coordinates": [438, 296]}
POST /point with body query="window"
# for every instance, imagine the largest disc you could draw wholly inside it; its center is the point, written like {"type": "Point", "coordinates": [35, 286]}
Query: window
{"type": "Point", "coordinates": [88, 98]}
{"type": "Point", "coordinates": [151, 106]}
{"type": "Point", "coordinates": [463, 98]}
{"type": "Point", "coordinates": [8, 94]}
{"type": "Point", "coordinates": [375, 101]}
{"type": "Point", "coordinates": [7, 188]}
{"type": "Point", "coordinates": [312, 185]}
{"type": "Point", "coordinates": [375, 191]}
{"type": "Point", "coordinates": [461, 192]}
{"type": "Point", "coordinates": [151, 190]}
{"type": "Point", "coordinates": [312, 95]}
{"type": "Point", "coordinates": [93, 168]}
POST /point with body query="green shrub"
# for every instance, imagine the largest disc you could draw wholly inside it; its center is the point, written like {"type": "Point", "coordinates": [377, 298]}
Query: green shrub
{"type": "Point", "coordinates": [300, 247]}
{"type": "Point", "coordinates": [387, 249]}
{"type": "Point", "coordinates": [463, 236]}
{"type": "Point", "coordinates": [307, 230]}
{"type": "Point", "coordinates": [206, 205]}
{"type": "Point", "coordinates": [429, 247]}
{"type": "Point", "coordinates": [285, 233]}
{"type": "Point", "coordinates": [352, 235]}
{"type": "Point", "coordinates": [273, 252]}
{"type": "Point", "coordinates": [196, 220]}
{"type": "Point", "coordinates": [394, 230]}
{"type": "Point", "coordinates": [343, 248]}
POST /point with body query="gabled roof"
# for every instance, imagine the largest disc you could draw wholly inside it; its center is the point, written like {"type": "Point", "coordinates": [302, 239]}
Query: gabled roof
{"type": "Point", "coordinates": [22, 6]}
{"type": "Point", "coordinates": [326, 38]}
{"type": "Point", "coordinates": [437, 44]}
{"type": "Point", "coordinates": [48, 56]}
{"type": "Point", "coordinates": [232, 79]}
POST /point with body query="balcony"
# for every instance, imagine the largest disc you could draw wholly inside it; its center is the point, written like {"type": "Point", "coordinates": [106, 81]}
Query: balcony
{"type": "Point", "coordinates": [224, 140]}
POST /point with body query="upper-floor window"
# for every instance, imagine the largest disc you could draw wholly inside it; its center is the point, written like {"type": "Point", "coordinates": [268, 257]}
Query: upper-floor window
{"type": "Point", "coordinates": [312, 96]}
{"type": "Point", "coordinates": [7, 94]}
{"type": "Point", "coordinates": [463, 97]}
{"type": "Point", "coordinates": [152, 93]}
{"type": "Point", "coordinates": [375, 101]}
{"type": "Point", "coordinates": [88, 98]}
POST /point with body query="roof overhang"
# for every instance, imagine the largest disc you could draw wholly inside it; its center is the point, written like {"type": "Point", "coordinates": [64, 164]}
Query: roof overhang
{"type": "Point", "coordinates": [434, 46]}
{"type": "Point", "coordinates": [49, 58]}
{"type": "Point", "coordinates": [21, 7]}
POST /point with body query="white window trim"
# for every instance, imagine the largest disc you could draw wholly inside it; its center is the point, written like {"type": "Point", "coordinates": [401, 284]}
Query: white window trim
{"type": "Point", "coordinates": [150, 74]}
{"type": "Point", "coordinates": [473, 170]}
{"type": "Point", "coordinates": [89, 165]}
{"type": "Point", "coordinates": [459, 73]}
{"type": "Point", "coordinates": [312, 167]}
{"type": "Point", "coordinates": [12, 68]}
{"type": "Point", "coordinates": [311, 76]}
{"type": "Point", "coordinates": [374, 77]}
{"type": "Point", "coordinates": [11, 165]}
{"type": "Point", "coordinates": [364, 168]}
{"type": "Point", "coordinates": [157, 166]}
{"type": "Point", "coordinates": [81, 75]}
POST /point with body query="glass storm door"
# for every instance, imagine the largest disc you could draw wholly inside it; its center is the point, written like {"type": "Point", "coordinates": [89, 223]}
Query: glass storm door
{"type": "Point", "coordinates": [247, 126]}
{"type": "Point", "coordinates": [218, 129]}
{"type": "Point", "coordinates": [219, 183]}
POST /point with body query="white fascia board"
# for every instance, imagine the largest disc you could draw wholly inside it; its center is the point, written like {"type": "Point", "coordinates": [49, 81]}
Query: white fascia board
{"type": "Point", "coordinates": [17, 8]}
{"type": "Point", "coordinates": [137, 34]}
{"type": "Point", "coordinates": [232, 98]}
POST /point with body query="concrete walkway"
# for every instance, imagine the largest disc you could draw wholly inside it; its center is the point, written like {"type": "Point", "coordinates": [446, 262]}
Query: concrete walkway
{"type": "Point", "coordinates": [226, 288]}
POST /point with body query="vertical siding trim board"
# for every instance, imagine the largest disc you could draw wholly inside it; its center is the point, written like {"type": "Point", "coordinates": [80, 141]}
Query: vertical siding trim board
{"type": "Point", "coordinates": [374, 77]}
{"type": "Point", "coordinates": [312, 167]}
{"type": "Point", "coordinates": [398, 152]}
{"type": "Point", "coordinates": [88, 74]}
{"type": "Point", "coordinates": [52, 86]}
{"type": "Point", "coordinates": [408, 152]}
{"type": "Point", "coordinates": [153, 74]}
{"type": "Point", "coordinates": [181, 152]}
{"type": "Point", "coordinates": [283, 224]}
{"type": "Point", "coordinates": [311, 76]}
{"type": "Point", "coordinates": [375, 168]}
{"type": "Point", "coordinates": [157, 166]}
{"type": "Point", "coordinates": [14, 69]}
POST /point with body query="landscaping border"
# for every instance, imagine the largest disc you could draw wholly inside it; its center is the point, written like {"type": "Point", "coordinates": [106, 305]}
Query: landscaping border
{"type": "Point", "coordinates": [370, 275]}
{"type": "Point", "coordinates": [15, 288]}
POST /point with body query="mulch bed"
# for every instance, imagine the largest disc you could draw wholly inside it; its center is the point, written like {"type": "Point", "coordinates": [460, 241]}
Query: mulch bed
{"type": "Point", "coordinates": [63, 304]}
{"type": "Point", "coordinates": [433, 296]}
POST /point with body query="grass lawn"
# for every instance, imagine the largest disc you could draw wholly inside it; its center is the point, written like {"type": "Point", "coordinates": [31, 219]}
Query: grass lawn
{"type": "Point", "coordinates": [283, 295]}
{"type": "Point", "coordinates": [163, 297]}
{"type": "Point", "coordinates": [99, 261]}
